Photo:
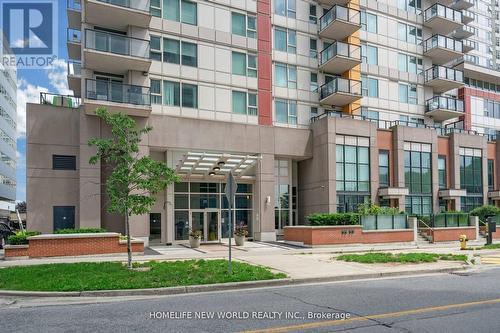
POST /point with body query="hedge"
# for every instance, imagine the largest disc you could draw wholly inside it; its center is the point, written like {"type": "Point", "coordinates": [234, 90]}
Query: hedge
{"type": "Point", "coordinates": [333, 219]}
{"type": "Point", "coordinates": [484, 211]}
{"type": "Point", "coordinates": [21, 238]}
{"type": "Point", "coordinates": [80, 231]}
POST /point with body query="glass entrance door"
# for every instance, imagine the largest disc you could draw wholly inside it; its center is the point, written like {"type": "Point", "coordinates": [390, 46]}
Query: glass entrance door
{"type": "Point", "coordinates": [208, 223]}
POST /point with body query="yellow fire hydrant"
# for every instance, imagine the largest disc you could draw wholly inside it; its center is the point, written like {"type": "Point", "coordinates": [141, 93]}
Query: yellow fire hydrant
{"type": "Point", "coordinates": [463, 242]}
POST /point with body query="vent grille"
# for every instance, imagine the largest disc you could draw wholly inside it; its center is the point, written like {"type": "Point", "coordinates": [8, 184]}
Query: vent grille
{"type": "Point", "coordinates": [63, 162]}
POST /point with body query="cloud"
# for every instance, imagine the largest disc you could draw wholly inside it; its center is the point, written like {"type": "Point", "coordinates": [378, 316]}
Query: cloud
{"type": "Point", "coordinates": [29, 93]}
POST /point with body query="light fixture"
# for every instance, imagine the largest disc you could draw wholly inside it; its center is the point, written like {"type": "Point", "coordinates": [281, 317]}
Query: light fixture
{"type": "Point", "coordinates": [211, 173]}
{"type": "Point", "coordinates": [216, 168]}
{"type": "Point", "coordinates": [221, 163]}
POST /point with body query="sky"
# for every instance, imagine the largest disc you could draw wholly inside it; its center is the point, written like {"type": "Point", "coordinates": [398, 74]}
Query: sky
{"type": "Point", "coordinates": [30, 82]}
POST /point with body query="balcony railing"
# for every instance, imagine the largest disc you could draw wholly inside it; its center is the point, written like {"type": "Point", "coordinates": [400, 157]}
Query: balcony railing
{"type": "Point", "coordinates": [117, 44]}
{"type": "Point", "coordinates": [59, 100]}
{"type": "Point", "coordinates": [467, 28]}
{"type": "Point", "coordinates": [446, 103]}
{"type": "Point", "coordinates": [340, 85]}
{"type": "Point", "coordinates": [467, 16]}
{"type": "Point", "coordinates": [74, 36]}
{"type": "Point", "coordinates": [75, 5]}
{"type": "Point", "coordinates": [142, 5]}
{"type": "Point", "coordinates": [340, 49]}
{"type": "Point", "coordinates": [444, 73]}
{"type": "Point", "coordinates": [74, 68]}
{"type": "Point", "coordinates": [438, 10]}
{"type": "Point", "coordinates": [440, 41]}
{"type": "Point", "coordinates": [339, 13]}
{"type": "Point", "coordinates": [117, 92]}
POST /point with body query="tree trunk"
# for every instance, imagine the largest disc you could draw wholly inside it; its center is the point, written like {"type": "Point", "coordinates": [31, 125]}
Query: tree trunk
{"type": "Point", "coordinates": [129, 244]}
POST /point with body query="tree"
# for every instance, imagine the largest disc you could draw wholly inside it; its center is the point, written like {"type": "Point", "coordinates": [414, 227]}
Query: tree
{"type": "Point", "coordinates": [134, 180]}
{"type": "Point", "coordinates": [21, 206]}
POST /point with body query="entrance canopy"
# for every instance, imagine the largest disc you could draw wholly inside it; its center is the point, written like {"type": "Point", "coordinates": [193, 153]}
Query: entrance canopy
{"type": "Point", "coordinates": [217, 165]}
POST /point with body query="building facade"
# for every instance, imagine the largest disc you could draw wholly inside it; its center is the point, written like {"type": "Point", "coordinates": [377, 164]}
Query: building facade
{"type": "Point", "coordinates": [316, 106]}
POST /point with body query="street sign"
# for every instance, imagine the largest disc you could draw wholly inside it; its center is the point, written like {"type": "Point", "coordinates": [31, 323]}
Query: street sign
{"type": "Point", "coordinates": [230, 195]}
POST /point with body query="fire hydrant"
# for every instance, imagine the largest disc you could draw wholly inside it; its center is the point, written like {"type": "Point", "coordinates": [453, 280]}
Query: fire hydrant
{"type": "Point", "coordinates": [463, 242]}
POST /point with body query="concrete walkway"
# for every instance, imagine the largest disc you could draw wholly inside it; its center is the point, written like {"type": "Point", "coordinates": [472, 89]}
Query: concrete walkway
{"type": "Point", "coordinates": [296, 262]}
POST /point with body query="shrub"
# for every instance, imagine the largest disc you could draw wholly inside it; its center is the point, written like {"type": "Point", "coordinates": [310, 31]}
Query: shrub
{"type": "Point", "coordinates": [80, 231]}
{"type": "Point", "coordinates": [484, 211]}
{"type": "Point", "coordinates": [333, 219]}
{"type": "Point", "coordinates": [372, 209]}
{"type": "Point", "coordinates": [21, 238]}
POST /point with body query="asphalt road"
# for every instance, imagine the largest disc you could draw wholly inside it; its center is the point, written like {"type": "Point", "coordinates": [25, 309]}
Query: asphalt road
{"type": "Point", "coordinates": [435, 303]}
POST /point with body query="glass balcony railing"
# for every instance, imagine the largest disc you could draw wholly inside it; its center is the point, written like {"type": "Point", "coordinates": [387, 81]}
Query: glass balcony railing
{"type": "Point", "coordinates": [467, 28]}
{"type": "Point", "coordinates": [340, 49]}
{"type": "Point", "coordinates": [115, 43]}
{"type": "Point", "coordinates": [438, 10]}
{"type": "Point", "coordinates": [59, 100]}
{"type": "Point", "coordinates": [142, 5]}
{"type": "Point", "coordinates": [469, 44]}
{"type": "Point", "coordinates": [445, 103]}
{"type": "Point", "coordinates": [74, 68]}
{"type": "Point", "coordinates": [440, 41]}
{"type": "Point", "coordinates": [117, 92]}
{"type": "Point", "coordinates": [75, 5]}
{"type": "Point", "coordinates": [340, 85]}
{"type": "Point", "coordinates": [467, 15]}
{"type": "Point", "coordinates": [74, 36]}
{"type": "Point", "coordinates": [340, 13]}
{"type": "Point", "coordinates": [444, 73]}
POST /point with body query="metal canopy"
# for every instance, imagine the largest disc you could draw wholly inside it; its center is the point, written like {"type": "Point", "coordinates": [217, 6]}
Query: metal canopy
{"type": "Point", "coordinates": [216, 165]}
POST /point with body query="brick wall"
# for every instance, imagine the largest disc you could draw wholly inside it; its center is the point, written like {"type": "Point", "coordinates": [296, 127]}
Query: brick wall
{"type": "Point", "coordinates": [453, 234]}
{"type": "Point", "coordinates": [496, 235]}
{"type": "Point", "coordinates": [74, 245]}
{"type": "Point", "coordinates": [16, 251]}
{"type": "Point", "coordinates": [330, 235]}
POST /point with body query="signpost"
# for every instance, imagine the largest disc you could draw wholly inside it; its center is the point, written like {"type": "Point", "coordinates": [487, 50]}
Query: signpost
{"type": "Point", "coordinates": [230, 195]}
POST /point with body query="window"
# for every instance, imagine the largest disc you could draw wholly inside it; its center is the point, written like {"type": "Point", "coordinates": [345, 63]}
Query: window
{"type": "Point", "coordinates": [313, 48]}
{"type": "Point", "coordinates": [244, 103]}
{"type": "Point", "coordinates": [402, 62]}
{"type": "Point", "coordinates": [418, 178]}
{"type": "Point", "coordinates": [171, 51]}
{"type": "Point", "coordinates": [285, 40]}
{"type": "Point", "coordinates": [369, 114]}
{"type": "Point", "coordinates": [409, 33]}
{"type": "Point", "coordinates": [314, 111]}
{"type": "Point", "coordinates": [286, 111]}
{"type": "Point", "coordinates": [63, 162]}
{"type": "Point", "coordinates": [442, 172]}
{"type": "Point", "coordinates": [173, 95]}
{"type": "Point", "coordinates": [402, 31]}
{"type": "Point", "coordinates": [251, 65]}
{"type": "Point", "coordinates": [314, 82]}
{"type": "Point", "coordinates": [471, 171]}
{"type": "Point", "coordinates": [491, 172]}
{"type": "Point", "coordinates": [175, 51]}
{"type": "Point", "coordinates": [369, 54]}
{"type": "Point", "coordinates": [414, 6]}
{"type": "Point", "coordinates": [352, 165]}
{"type": "Point", "coordinates": [285, 75]}
{"type": "Point", "coordinates": [63, 217]}
{"type": "Point", "coordinates": [181, 11]}
{"type": "Point", "coordinates": [155, 91]}
{"type": "Point", "coordinates": [155, 8]}
{"type": "Point", "coordinates": [242, 25]}
{"type": "Point", "coordinates": [368, 22]}
{"type": "Point", "coordinates": [313, 18]}
{"type": "Point", "coordinates": [285, 8]}
{"type": "Point", "coordinates": [408, 93]}
{"type": "Point", "coordinates": [369, 86]}
{"type": "Point", "coordinates": [155, 47]}
{"type": "Point", "coordinates": [189, 54]}
{"type": "Point", "coordinates": [383, 168]}
{"type": "Point", "coordinates": [350, 202]}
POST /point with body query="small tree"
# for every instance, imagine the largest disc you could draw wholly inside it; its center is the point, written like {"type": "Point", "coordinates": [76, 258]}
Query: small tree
{"type": "Point", "coordinates": [134, 180]}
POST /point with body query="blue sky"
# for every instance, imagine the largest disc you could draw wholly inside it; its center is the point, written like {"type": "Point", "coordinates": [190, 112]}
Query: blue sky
{"type": "Point", "coordinates": [30, 83]}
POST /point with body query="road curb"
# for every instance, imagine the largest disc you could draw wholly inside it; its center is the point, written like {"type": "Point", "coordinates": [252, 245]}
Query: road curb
{"type": "Point", "coordinates": [226, 286]}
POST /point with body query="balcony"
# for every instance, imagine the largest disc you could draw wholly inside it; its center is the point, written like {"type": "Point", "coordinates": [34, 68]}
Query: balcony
{"type": "Point", "coordinates": [465, 31]}
{"type": "Point", "coordinates": [443, 79]}
{"type": "Point", "coordinates": [467, 16]}
{"type": "Point", "coordinates": [468, 45]}
{"type": "Point", "coordinates": [65, 101]}
{"type": "Point", "coordinates": [339, 22]}
{"type": "Point", "coordinates": [117, 97]}
{"type": "Point", "coordinates": [115, 53]}
{"type": "Point", "coordinates": [330, 3]}
{"type": "Point", "coordinates": [74, 43]}
{"type": "Point", "coordinates": [442, 49]}
{"type": "Point", "coordinates": [442, 19]}
{"type": "Point", "coordinates": [74, 12]}
{"type": "Point", "coordinates": [118, 14]}
{"type": "Point", "coordinates": [462, 4]}
{"type": "Point", "coordinates": [441, 108]}
{"type": "Point", "coordinates": [339, 57]}
{"type": "Point", "coordinates": [75, 77]}
{"type": "Point", "coordinates": [340, 92]}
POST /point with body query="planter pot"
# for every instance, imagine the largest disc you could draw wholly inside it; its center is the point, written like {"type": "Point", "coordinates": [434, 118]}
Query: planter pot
{"type": "Point", "coordinates": [194, 242]}
{"type": "Point", "coordinates": [240, 240]}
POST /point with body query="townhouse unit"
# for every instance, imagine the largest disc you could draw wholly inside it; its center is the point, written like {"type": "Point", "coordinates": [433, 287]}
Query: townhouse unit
{"type": "Point", "coordinates": [315, 106]}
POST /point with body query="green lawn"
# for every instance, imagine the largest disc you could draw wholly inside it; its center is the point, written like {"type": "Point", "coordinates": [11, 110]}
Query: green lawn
{"type": "Point", "coordinates": [414, 258]}
{"type": "Point", "coordinates": [490, 247]}
{"type": "Point", "coordinates": [114, 275]}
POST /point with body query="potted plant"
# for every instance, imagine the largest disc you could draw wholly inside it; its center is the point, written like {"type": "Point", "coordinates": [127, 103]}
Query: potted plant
{"type": "Point", "coordinates": [240, 232]}
{"type": "Point", "coordinates": [194, 238]}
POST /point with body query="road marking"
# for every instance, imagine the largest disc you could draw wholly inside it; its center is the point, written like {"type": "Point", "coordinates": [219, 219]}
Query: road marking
{"type": "Point", "coordinates": [490, 260]}
{"type": "Point", "coordinates": [370, 317]}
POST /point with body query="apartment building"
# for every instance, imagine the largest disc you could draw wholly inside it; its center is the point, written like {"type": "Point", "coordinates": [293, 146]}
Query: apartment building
{"type": "Point", "coordinates": [316, 106]}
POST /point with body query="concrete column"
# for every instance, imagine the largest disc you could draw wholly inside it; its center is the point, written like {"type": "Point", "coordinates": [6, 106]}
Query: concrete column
{"type": "Point", "coordinates": [399, 156]}
{"type": "Point", "coordinates": [413, 224]}
{"type": "Point", "coordinates": [474, 220]}
{"type": "Point", "coordinates": [458, 204]}
{"type": "Point", "coordinates": [167, 235]}
{"type": "Point", "coordinates": [264, 229]}
{"type": "Point", "coordinates": [402, 203]}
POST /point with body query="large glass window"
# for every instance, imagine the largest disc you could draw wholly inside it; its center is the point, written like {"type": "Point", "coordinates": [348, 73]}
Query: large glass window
{"type": "Point", "coordinates": [408, 93]}
{"type": "Point", "coordinates": [352, 166]}
{"type": "Point", "coordinates": [369, 86]}
{"type": "Point", "coordinates": [442, 172]}
{"type": "Point", "coordinates": [286, 111]}
{"type": "Point", "coordinates": [418, 178]}
{"type": "Point", "coordinates": [180, 11]}
{"type": "Point", "coordinates": [383, 168]}
{"type": "Point", "coordinates": [491, 172]}
{"type": "Point", "coordinates": [285, 40]}
{"type": "Point", "coordinates": [155, 48]}
{"type": "Point", "coordinates": [245, 103]}
{"type": "Point", "coordinates": [368, 22]}
{"type": "Point", "coordinates": [285, 75]}
{"type": "Point", "coordinates": [239, 63]}
{"type": "Point", "coordinates": [189, 95]}
{"type": "Point", "coordinates": [171, 93]}
{"type": "Point", "coordinates": [285, 8]}
{"type": "Point", "coordinates": [189, 54]}
{"type": "Point", "coordinates": [281, 193]}
{"type": "Point", "coordinates": [243, 25]}
{"type": "Point", "coordinates": [171, 51]}
{"type": "Point", "coordinates": [471, 176]}
{"type": "Point", "coordinates": [155, 91]}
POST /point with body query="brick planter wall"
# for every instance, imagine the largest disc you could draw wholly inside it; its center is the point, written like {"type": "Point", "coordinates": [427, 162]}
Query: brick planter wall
{"type": "Point", "coordinates": [496, 234]}
{"type": "Point", "coordinates": [16, 251]}
{"type": "Point", "coordinates": [452, 234]}
{"type": "Point", "coordinates": [331, 235]}
{"type": "Point", "coordinates": [60, 245]}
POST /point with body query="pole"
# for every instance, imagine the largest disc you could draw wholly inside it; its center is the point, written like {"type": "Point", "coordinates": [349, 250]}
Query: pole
{"type": "Point", "coordinates": [230, 267]}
